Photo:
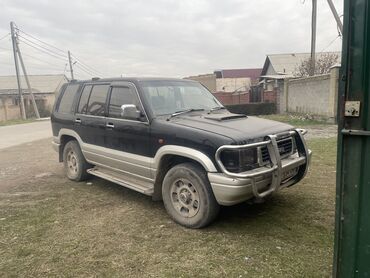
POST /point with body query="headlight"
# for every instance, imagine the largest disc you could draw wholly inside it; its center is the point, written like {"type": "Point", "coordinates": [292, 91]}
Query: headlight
{"type": "Point", "coordinates": [239, 160]}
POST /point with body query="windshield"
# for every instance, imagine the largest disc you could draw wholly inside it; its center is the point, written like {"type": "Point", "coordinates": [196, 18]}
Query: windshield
{"type": "Point", "coordinates": [166, 97]}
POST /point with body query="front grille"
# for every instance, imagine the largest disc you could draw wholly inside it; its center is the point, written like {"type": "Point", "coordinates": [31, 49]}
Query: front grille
{"type": "Point", "coordinates": [285, 147]}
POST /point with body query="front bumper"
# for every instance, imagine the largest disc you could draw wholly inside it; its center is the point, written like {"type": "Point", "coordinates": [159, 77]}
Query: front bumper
{"type": "Point", "coordinates": [232, 188]}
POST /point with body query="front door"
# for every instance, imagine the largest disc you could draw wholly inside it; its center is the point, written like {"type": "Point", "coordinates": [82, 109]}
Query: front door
{"type": "Point", "coordinates": [127, 138]}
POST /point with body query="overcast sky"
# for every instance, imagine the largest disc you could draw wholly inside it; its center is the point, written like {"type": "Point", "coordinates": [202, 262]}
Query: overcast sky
{"type": "Point", "coordinates": [164, 37]}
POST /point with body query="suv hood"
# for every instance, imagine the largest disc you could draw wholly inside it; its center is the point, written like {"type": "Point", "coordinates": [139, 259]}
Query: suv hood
{"type": "Point", "coordinates": [235, 126]}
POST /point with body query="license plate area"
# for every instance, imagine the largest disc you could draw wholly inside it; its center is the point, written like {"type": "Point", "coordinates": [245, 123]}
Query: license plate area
{"type": "Point", "coordinates": [289, 174]}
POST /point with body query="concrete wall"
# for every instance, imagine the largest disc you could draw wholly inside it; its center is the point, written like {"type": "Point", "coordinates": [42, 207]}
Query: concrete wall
{"type": "Point", "coordinates": [10, 110]}
{"type": "Point", "coordinates": [232, 84]}
{"type": "Point", "coordinates": [315, 95]}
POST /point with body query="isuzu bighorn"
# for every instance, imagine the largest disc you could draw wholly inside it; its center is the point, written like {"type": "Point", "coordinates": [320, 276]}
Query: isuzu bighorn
{"type": "Point", "coordinates": [173, 140]}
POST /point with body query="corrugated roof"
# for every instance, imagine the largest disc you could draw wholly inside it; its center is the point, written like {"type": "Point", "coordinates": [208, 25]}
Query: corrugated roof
{"type": "Point", "coordinates": [40, 83]}
{"type": "Point", "coordinates": [240, 73]}
{"type": "Point", "coordinates": [287, 63]}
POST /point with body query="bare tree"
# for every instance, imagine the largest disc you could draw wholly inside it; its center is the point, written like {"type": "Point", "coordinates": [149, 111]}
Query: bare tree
{"type": "Point", "coordinates": [323, 64]}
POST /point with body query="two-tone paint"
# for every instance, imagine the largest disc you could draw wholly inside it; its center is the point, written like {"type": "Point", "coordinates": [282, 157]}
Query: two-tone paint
{"type": "Point", "coordinates": [137, 148]}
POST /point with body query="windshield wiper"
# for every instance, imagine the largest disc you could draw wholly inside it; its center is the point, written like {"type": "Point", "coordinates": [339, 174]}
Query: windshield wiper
{"type": "Point", "coordinates": [183, 112]}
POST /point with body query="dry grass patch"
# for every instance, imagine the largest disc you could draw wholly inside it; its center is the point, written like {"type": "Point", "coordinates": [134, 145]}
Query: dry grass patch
{"type": "Point", "coordinates": [53, 227]}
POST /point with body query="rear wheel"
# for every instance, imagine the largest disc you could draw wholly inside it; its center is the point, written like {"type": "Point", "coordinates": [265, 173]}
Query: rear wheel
{"type": "Point", "coordinates": [188, 197]}
{"type": "Point", "coordinates": [75, 164]}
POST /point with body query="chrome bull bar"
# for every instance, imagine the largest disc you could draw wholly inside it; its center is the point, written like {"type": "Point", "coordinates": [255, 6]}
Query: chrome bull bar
{"type": "Point", "coordinates": [276, 164]}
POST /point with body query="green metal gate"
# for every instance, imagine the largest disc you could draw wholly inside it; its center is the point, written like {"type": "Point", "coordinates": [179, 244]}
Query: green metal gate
{"type": "Point", "coordinates": [352, 235]}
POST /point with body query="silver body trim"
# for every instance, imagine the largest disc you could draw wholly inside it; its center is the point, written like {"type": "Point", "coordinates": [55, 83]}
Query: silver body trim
{"type": "Point", "coordinates": [228, 188]}
{"type": "Point", "coordinates": [138, 166]}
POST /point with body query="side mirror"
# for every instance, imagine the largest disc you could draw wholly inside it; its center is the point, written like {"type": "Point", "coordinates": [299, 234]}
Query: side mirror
{"type": "Point", "coordinates": [130, 111]}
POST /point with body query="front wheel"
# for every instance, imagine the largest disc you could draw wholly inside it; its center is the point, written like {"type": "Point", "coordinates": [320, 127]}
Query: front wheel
{"type": "Point", "coordinates": [188, 197]}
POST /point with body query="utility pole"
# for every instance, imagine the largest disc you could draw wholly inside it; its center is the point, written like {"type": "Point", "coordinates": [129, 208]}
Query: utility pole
{"type": "Point", "coordinates": [336, 16]}
{"type": "Point", "coordinates": [21, 101]}
{"type": "Point", "coordinates": [70, 64]}
{"type": "Point", "coordinates": [28, 82]}
{"type": "Point", "coordinates": [313, 37]}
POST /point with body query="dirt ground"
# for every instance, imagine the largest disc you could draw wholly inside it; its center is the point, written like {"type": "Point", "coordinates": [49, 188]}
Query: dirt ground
{"type": "Point", "coordinates": [321, 131]}
{"type": "Point", "coordinates": [50, 226]}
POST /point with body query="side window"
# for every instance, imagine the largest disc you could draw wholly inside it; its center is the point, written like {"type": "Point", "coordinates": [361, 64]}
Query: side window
{"type": "Point", "coordinates": [82, 106]}
{"type": "Point", "coordinates": [119, 97]}
{"type": "Point", "coordinates": [98, 96]}
{"type": "Point", "coordinates": [66, 102]}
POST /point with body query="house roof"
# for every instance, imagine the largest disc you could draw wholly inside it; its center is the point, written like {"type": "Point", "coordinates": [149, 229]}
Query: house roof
{"type": "Point", "coordinates": [240, 73]}
{"type": "Point", "coordinates": [287, 63]}
{"type": "Point", "coordinates": [39, 83]}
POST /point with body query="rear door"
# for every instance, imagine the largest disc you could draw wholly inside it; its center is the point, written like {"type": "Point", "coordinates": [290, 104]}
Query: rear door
{"type": "Point", "coordinates": [127, 138]}
{"type": "Point", "coordinates": [90, 117]}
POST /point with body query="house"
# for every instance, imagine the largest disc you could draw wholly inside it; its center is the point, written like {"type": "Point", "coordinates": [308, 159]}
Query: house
{"type": "Point", "coordinates": [279, 67]}
{"type": "Point", "coordinates": [44, 88]}
{"type": "Point", "coordinates": [231, 80]}
{"type": "Point", "coordinates": [287, 64]}
{"type": "Point", "coordinates": [230, 86]}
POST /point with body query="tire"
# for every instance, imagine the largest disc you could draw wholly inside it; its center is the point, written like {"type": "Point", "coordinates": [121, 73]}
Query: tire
{"type": "Point", "coordinates": [75, 164]}
{"type": "Point", "coordinates": [188, 196]}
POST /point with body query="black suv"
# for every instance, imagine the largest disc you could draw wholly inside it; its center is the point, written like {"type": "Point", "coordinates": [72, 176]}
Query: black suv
{"type": "Point", "coordinates": [173, 140]}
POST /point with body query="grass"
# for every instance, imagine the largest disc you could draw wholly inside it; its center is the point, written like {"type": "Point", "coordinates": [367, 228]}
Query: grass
{"type": "Point", "coordinates": [17, 121]}
{"type": "Point", "coordinates": [295, 119]}
{"type": "Point", "coordinates": [54, 227]}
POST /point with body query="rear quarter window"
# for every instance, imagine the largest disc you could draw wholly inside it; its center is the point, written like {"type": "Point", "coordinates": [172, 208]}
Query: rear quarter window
{"type": "Point", "coordinates": [66, 102]}
{"type": "Point", "coordinates": [82, 106]}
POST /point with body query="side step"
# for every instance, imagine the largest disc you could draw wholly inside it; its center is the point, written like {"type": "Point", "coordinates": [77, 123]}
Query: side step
{"type": "Point", "coordinates": [139, 185]}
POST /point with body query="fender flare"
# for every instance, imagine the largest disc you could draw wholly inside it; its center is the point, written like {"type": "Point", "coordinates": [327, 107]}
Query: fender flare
{"type": "Point", "coordinates": [193, 154]}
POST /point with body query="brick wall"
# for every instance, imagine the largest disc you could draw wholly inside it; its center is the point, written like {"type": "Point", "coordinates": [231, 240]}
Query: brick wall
{"type": "Point", "coordinates": [230, 99]}
{"type": "Point", "coordinates": [269, 96]}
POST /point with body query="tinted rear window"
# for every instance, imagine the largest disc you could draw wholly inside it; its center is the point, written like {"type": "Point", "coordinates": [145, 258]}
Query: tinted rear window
{"type": "Point", "coordinates": [82, 106]}
{"type": "Point", "coordinates": [65, 104]}
{"type": "Point", "coordinates": [97, 100]}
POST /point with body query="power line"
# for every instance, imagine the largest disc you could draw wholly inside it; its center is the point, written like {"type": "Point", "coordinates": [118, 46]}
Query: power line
{"type": "Point", "coordinates": [93, 72]}
{"type": "Point", "coordinates": [84, 70]}
{"type": "Point", "coordinates": [43, 47]}
{"type": "Point", "coordinates": [56, 48]}
{"type": "Point", "coordinates": [33, 67]}
{"type": "Point", "coordinates": [330, 43]}
{"type": "Point", "coordinates": [4, 36]}
{"type": "Point", "coordinates": [86, 66]}
{"type": "Point", "coordinates": [7, 49]}
{"type": "Point", "coordinates": [41, 60]}
{"type": "Point", "coordinates": [53, 51]}
{"type": "Point", "coordinates": [82, 64]}
{"type": "Point", "coordinates": [41, 50]}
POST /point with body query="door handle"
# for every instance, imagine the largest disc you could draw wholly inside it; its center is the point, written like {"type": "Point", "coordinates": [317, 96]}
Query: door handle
{"type": "Point", "coordinates": [78, 120]}
{"type": "Point", "coordinates": [109, 125]}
